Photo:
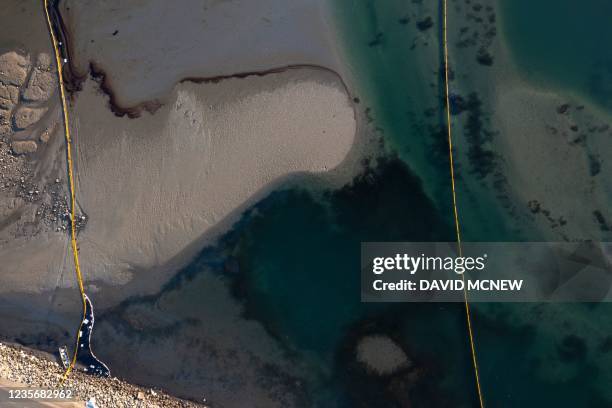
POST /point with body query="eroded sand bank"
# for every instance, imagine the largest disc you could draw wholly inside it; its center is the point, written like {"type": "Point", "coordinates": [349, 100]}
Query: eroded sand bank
{"type": "Point", "coordinates": [154, 186]}
{"type": "Point", "coordinates": [151, 188]}
{"type": "Point", "coordinates": [144, 48]}
{"type": "Point", "coordinates": [155, 189]}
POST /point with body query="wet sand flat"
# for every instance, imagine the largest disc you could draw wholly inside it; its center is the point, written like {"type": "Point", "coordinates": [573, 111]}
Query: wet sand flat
{"type": "Point", "coordinates": [144, 48]}
{"type": "Point", "coordinates": [156, 184]}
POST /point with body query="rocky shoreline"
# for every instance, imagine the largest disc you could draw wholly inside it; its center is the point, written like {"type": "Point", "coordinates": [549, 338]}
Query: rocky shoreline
{"type": "Point", "coordinates": [30, 368]}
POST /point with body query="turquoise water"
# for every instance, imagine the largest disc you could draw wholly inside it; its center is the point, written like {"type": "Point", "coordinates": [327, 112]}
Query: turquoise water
{"type": "Point", "coordinates": [398, 68]}
{"type": "Point", "coordinates": [523, 362]}
{"type": "Point", "coordinates": [397, 86]}
{"type": "Point", "coordinates": [297, 253]}
{"type": "Point", "coordinates": [299, 257]}
{"type": "Point", "coordinates": [563, 43]}
{"type": "Point", "coordinates": [302, 255]}
{"type": "Point", "coordinates": [553, 355]}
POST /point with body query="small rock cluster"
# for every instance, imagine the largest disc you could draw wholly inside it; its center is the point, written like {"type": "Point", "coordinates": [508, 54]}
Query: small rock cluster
{"type": "Point", "coordinates": [40, 201]}
{"type": "Point", "coordinates": [46, 202]}
{"type": "Point", "coordinates": [24, 91]}
{"type": "Point", "coordinates": [20, 365]}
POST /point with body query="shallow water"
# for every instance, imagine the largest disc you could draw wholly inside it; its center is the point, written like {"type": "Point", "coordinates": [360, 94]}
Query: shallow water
{"type": "Point", "coordinates": [563, 43]}
{"type": "Point", "coordinates": [396, 66]}
{"type": "Point", "coordinates": [296, 272]}
{"type": "Point", "coordinates": [292, 261]}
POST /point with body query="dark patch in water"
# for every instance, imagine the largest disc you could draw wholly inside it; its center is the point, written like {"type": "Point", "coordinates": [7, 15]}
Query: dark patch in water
{"type": "Point", "coordinates": [404, 20]}
{"type": "Point", "coordinates": [601, 220]}
{"type": "Point", "coordinates": [484, 57]}
{"type": "Point", "coordinates": [563, 108]}
{"type": "Point", "coordinates": [385, 203]}
{"type": "Point", "coordinates": [422, 381]}
{"type": "Point", "coordinates": [482, 160]}
{"type": "Point", "coordinates": [425, 24]}
{"type": "Point", "coordinates": [457, 104]}
{"type": "Point", "coordinates": [572, 348]}
{"type": "Point", "coordinates": [594, 165]}
{"type": "Point", "coordinates": [378, 40]}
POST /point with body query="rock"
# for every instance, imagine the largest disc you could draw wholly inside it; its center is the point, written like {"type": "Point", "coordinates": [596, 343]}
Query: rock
{"type": "Point", "coordinates": [13, 68]}
{"type": "Point", "coordinates": [561, 109]}
{"type": "Point", "coordinates": [45, 135]}
{"type": "Point", "coordinates": [24, 147]}
{"type": "Point", "coordinates": [484, 57]}
{"type": "Point", "coordinates": [9, 96]}
{"type": "Point", "coordinates": [140, 395]}
{"type": "Point", "coordinates": [5, 117]}
{"type": "Point", "coordinates": [25, 116]}
{"type": "Point", "coordinates": [44, 61]}
{"type": "Point", "coordinates": [381, 355]}
{"type": "Point", "coordinates": [425, 24]}
{"type": "Point", "coordinates": [5, 129]}
{"type": "Point", "coordinates": [40, 86]}
{"type": "Point", "coordinates": [5, 124]}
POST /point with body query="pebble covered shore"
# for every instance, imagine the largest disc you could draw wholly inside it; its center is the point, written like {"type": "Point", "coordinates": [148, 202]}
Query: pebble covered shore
{"type": "Point", "coordinates": [31, 369]}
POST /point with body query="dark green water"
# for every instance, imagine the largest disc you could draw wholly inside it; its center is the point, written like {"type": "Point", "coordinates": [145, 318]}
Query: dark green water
{"type": "Point", "coordinates": [299, 256]}
{"type": "Point", "coordinates": [563, 43]}
{"type": "Point", "coordinates": [299, 269]}
{"type": "Point", "coordinates": [295, 255]}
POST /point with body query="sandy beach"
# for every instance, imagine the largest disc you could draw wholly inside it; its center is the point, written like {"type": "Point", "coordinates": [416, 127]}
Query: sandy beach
{"type": "Point", "coordinates": [183, 120]}
{"type": "Point", "coordinates": [161, 183]}
{"type": "Point", "coordinates": [154, 189]}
